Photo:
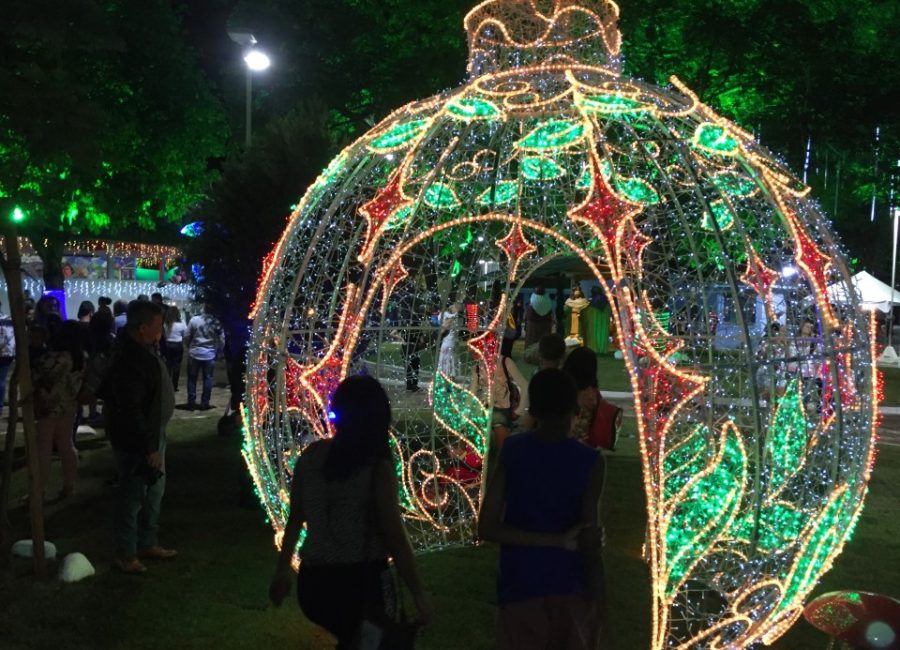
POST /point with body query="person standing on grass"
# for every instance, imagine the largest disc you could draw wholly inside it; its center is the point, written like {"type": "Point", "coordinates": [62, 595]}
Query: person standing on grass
{"type": "Point", "coordinates": [138, 403]}
{"type": "Point", "coordinates": [7, 352]}
{"type": "Point", "coordinates": [345, 491]}
{"type": "Point", "coordinates": [205, 339]}
{"type": "Point", "coordinates": [57, 382]}
{"type": "Point", "coordinates": [175, 331]}
{"type": "Point", "coordinates": [542, 507]}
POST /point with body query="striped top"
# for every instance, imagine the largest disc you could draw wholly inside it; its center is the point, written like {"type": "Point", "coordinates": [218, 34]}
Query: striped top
{"type": "Point", "coordinates": [340, 514]}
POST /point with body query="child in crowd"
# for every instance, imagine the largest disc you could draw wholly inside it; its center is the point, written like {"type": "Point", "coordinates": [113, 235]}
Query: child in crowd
{"type": "Point", "coordinates": [550, 586]}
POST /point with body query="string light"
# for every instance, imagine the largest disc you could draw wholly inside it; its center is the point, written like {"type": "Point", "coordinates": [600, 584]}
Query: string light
{"type": "Point", "coordinates": [756, 442]}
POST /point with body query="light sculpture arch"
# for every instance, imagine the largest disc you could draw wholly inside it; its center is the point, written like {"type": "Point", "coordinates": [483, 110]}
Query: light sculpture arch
{"type": "Point", "coordinates": [756, 449]}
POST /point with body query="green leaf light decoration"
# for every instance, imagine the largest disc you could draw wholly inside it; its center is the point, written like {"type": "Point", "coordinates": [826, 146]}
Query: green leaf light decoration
{"type": "Point", "coordinates": [473, 108]}
{"type": "Point", "coordinates": [534, 168]}
{"type": "Point", "coordinates": [637, 190]}
{"type": "Point", "coordinates": [721, 213]}
{"type": "Point", "coordinates": [399, 136]}
{"type": "Point", "coordinates": [503, 193]}
{"type": "Point", "coordinates": [440, 197]}
{"type": "Point", "coordinates": [552, 134]}
{"type": "Point", "coordinates": [715, 139]}
{"type": "Point", "coordinates": [613, 105]}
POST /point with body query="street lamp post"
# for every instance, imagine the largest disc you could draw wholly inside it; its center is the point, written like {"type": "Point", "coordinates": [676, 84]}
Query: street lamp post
{"type": "Point", "coordinates": [256, 61]}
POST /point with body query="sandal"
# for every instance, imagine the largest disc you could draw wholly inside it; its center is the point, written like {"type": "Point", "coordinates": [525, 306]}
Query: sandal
{"type": "Point", "coordinates": [131, 565]}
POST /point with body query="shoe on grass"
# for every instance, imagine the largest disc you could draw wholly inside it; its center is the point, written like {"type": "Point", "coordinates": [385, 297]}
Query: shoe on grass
{"type": "Point", "coordinates": [157, 553]}
{"type": "Point", "coordinates": [130, 565]}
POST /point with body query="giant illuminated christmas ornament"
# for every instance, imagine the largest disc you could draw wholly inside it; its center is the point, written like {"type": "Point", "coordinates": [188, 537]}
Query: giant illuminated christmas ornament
{"type": "Point", "coordinates": [756, 438]}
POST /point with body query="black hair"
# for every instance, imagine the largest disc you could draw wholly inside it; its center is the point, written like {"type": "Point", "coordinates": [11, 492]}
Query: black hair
{"type": "Point", "coordinates": [143, 297]}
{"type": "Point", "coordinates": [120, 307]}
{"type": "Point", "coordinates": [86, 308]}
{"type": "Point", "coordinates": [104, 301]}
{"type": "Point", "coordinates": [552, 347]}
{"type": "Point", "coordinates": [552, 394]}
{"type": "Point", "coordinates": [99, 331]}
{"type": "Point", "coordinates": [362, 418]}
{"type": "Point", "coordinates": [581, 366]}
{"type": "Point", "coordinates": [142, 312]}
{"type": "Point", "coordinates": [69, 337]}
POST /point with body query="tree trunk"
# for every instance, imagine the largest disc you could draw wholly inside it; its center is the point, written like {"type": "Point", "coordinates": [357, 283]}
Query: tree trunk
{"type": "Point", "coordinates": [12, 269]}
{"type": "Point", "coordinates": [51, 252]}
{"type": "Point", "coordinates": [8, 453]}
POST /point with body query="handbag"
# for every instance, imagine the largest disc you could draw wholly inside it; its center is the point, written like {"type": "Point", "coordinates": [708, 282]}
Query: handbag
{"type": "Point", "coordinates": [605, 424]}
{"type": "Point", "coordinates": [515, 395]}
{"type": "Point", "coordinates": [391, 628]}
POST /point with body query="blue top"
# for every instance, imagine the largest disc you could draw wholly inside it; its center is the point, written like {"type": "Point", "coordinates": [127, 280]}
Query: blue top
{"type": "Point", "coordinates": [545, 484]}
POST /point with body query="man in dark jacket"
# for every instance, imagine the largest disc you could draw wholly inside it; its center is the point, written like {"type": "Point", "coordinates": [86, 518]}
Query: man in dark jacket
{"type": "Point", "coordinates": [140, 399]}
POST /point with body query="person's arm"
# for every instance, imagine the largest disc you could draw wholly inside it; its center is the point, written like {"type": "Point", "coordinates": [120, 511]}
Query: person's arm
{"type": "Point", "coordinates": [492, 528]}
{"type": "Point", "coordinates": [390, 523]}
{"type": "Point", "coordinates": [280, 586]}
{"type": "Point", "coordinates": [590, 537]}
{"type": "Point", "coordinates": [516, 375]}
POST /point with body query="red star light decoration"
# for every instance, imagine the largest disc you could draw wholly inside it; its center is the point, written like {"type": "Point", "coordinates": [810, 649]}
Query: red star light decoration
{"type": "Point", "coordinates": [379, 210]}
{"type": "Point", "coordinates": [394, 276]}
{"type": "Point", "coordinates": [815, 265]}
{"type": "Point", "coordinates": [604, 212]}
{"type": "Point", "coordinates": [516, 247]}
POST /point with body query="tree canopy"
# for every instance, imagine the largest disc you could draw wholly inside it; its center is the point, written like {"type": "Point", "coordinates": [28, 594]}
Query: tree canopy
{"type": "Point", "coordinates": [107, 124]}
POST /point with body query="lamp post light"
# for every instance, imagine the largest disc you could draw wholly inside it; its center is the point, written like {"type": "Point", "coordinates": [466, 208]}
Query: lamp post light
{"type": "Point", "coordinates": [256, 61]}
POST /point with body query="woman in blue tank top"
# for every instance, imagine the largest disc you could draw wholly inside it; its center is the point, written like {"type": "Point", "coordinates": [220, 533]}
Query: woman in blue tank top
{"type": "Point", "coordinates": [542, 507]}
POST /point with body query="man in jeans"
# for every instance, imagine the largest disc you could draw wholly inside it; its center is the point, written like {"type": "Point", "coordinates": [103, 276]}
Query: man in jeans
{"type": "Point", "coordinates": [205, 338]}
{"type": "Point", "coordinates": [7, 352]}
{"type": "Point", "coordinates": [139, 402]}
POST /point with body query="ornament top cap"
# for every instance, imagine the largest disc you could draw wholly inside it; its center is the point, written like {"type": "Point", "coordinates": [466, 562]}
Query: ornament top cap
{"type": "Point", "coordinates": [514, 34]}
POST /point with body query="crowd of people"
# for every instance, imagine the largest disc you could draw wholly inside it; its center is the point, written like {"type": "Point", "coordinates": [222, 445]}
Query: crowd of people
{"type": "Point", "coordinates": [125, 358]}
{"type": "Point", "coordinates": [550, 588]}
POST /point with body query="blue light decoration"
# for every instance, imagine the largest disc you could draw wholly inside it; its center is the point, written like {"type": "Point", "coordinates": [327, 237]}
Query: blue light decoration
{"type": "Point", "coordinates": [193, 229]}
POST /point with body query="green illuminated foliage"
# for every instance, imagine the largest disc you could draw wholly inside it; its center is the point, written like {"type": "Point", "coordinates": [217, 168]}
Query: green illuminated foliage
{"type": "Point", "coordinates": [735, 184]}
{"type": "Point", "coordinates": [440, 196]}
{"type": "Point", "coordinates": [702, 511]}
{"type": "Point", "coordinates": [535, 168]}
{"type": "Point", "coordinates": [502, 193]}
{"type": "Point", "coordinates": [399, 135]}
{"type": "Point", "coordinates": [552, 134]}
{"type": "Point", "coordinates": [715, 139]}
{"type": "Point", "coordinates": [472, 108]}
{"type": "Point", "coordinates": [460, 411]}
{"type": "Point", "coordinates": [637, 190]}
{"type": "Point", "coordinates": [399, 216]}
{"type": "Point", "coordinates": [614, 105]}
{"type": "Point", "coordinates": [723, 216]}
{"type": "Point", "coordinates": [788, 437]}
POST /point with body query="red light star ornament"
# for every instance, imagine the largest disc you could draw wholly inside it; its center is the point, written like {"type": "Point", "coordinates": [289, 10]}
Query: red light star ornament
{"type": "Point", "coordinates": [516, 247]}
{"type": "Point", "coordinates": [605, 213]}
{"type": "Point", "coordinates": [379, 210]}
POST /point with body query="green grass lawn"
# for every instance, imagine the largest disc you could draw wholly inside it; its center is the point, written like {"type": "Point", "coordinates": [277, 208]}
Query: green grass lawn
{"type": "Point", "coordinates": [214, 594]}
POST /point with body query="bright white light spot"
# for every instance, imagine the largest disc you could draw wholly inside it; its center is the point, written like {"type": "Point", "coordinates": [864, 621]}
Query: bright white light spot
{"type": "Point", "coordinates": [480, 238]}
{"type": "Point", "coordinates": [390, 156]}
{"type": "Point", "coordinates": [880, 634]}
{"type": "Point", "coordinates": [257, 60]}
{"type": "Point", "coordinates": [788, 271]}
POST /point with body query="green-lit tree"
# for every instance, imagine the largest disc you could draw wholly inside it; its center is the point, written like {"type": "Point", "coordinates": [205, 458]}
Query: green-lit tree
{"type": "Point", "coordinates": [106, 125]}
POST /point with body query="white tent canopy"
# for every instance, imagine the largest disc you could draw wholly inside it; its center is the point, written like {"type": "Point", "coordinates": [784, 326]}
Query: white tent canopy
{"type": "Point", "coordinates": [873, 293]}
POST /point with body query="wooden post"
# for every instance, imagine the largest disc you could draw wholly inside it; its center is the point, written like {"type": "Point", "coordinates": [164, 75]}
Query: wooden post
{"type": "Point", "coordinates": [12, 269]}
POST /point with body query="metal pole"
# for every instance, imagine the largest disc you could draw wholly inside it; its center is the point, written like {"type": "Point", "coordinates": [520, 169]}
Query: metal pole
{"type": "Point", "coordinates": [893, 281]}
{"type": "Point", "coordinates": [247, 127]}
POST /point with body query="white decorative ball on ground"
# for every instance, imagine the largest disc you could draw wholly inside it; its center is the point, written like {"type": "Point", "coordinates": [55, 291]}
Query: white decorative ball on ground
{"type": "Point", "coordinates": [25, 548]}
{"type": "Point", "coordinates": [75, 567]}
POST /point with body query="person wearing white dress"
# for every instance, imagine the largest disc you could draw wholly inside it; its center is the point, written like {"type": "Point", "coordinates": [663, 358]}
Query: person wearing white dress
{"type": "Point", "coordinates": [450, 334]}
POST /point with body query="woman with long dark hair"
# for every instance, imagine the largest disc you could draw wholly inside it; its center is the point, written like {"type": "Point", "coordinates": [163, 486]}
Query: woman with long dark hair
{"type": "Point", "coordinates": [57, 382]}
{"type": "Point", "coordinates": [345, 491]}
